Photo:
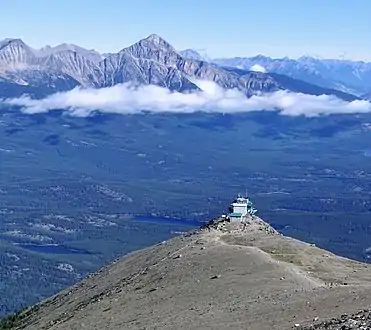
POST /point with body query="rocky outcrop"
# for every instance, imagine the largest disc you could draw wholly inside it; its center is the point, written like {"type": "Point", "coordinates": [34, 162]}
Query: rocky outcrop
{"type": "Point", "coordinates": [357, 321]}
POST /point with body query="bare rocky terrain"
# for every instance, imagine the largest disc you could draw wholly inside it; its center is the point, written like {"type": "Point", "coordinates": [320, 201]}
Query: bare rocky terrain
{"type": "Point", "coordinates": [223, 276]}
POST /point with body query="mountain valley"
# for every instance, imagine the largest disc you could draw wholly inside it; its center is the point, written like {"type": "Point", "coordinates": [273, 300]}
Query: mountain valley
{"type": "Point", "coordinates": [79, 184]}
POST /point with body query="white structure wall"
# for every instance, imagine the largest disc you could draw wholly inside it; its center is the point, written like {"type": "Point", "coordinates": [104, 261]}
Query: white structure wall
{"type": "Point", "coordinates": [240, 208]}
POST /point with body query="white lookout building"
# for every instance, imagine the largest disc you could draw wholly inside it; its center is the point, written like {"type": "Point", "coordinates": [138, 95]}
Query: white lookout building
{"type": "Point", "coordinates": [240, 207]}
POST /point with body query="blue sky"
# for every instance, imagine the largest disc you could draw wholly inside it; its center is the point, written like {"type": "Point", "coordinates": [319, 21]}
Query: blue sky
{"type": "Point", "coordinates": [327, 28]}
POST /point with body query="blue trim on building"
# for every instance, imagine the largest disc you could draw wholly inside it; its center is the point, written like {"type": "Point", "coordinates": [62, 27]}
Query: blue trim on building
{"type": "Point", "coordinates": [236, 215]}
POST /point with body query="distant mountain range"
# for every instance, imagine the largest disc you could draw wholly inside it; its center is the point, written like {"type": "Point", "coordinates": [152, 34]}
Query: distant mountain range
{"type": "Point", "coordinates": [154, 61]}
{"type": "Point", "coordinates": [348, 76]}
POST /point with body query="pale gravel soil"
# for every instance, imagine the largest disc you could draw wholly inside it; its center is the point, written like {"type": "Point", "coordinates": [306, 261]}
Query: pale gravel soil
{"type": "Point", "coordinates": [226, 276]}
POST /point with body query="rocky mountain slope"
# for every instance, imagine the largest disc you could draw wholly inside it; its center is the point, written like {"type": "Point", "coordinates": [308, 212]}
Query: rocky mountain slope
{"type": "Point", "coordinates": [348, 76]}
{"type": "Point", "coordinates": [149, 61]}
{"type": "Point", "coordinates": [224, 276]}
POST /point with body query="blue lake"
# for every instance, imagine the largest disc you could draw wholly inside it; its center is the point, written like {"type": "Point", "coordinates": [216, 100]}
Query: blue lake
{"type": "Point", "coordinates": [52, 248]}
{"type": "Point", "coordinates": [63, 249]}
{"type": "Point", "coordinates": [179, 222]}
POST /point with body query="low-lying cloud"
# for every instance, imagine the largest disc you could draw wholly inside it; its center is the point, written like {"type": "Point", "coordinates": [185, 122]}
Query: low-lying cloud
{"type": "Point", "coordinates": [129, 99]}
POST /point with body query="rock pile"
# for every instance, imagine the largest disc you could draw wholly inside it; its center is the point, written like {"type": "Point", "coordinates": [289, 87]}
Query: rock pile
{"type": "Point", "coordinates": [357, 321]}
{"type": "Point", "coordinates": [248, 223]}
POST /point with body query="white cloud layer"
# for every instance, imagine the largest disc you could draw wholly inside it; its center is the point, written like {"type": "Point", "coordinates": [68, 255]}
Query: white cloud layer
{"type": "Point", "coordinates": [126, 98]}
{"type": "Point", "coordinates": [258, 68]}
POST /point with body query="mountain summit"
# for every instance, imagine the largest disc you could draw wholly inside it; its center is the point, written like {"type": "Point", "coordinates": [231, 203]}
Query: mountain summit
{"type": "Point", "coordinates": [157, 40]}
{"type": "Point", "coordinates": [151, 60]}
{"type": "Point", "coordinates": [242, 275]}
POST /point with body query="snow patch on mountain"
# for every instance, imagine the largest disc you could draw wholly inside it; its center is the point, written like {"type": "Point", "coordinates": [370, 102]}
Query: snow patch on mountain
{"type": "Point", "coordinates": [257, 68]}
